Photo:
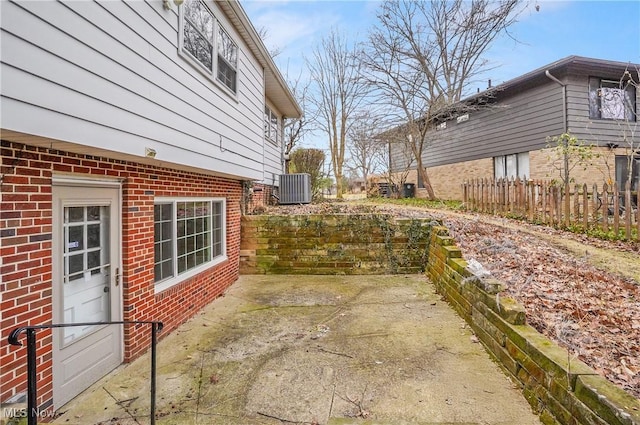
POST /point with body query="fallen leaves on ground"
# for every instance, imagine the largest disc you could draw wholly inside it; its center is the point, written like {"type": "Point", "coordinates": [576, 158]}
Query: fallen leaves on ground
{"type": "Point", "coordinates": [594, 314]}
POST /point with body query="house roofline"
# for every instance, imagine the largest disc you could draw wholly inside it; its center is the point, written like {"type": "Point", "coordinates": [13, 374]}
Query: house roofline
{"type": "Point", "coordinates": [560, 64]}
{"type": "Point", "coordinates": [460, 106]}
{"type": "Point", "coordinates": [276, 88]}
{"type": "Point", "coordinates": [554, 66]}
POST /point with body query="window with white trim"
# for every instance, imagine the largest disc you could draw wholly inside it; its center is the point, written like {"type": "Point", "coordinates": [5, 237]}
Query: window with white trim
{"type": "Point", "coordinates": [271, 127]}
{"type": "Point", "coordinates": [622, 172]}
{"type": "Point", "coordinates": [189, 235]}
{"type": "Point", "coordinates": [203, 39]}
{"type": "Point", "coordinates": [511, 166]}
{"type": "Point", "coordinates": [611, 100]}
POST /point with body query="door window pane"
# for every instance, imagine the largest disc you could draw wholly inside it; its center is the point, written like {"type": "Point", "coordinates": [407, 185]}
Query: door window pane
{"type": "Point", "coordinates": [75, 242]}
{"type": "Point", "coordinates": [93, 235]}
{"type": "Point", "coordinates": [75, 214]}
{"type": "Point", "coordinates": [76, 264]}
{"type": "Point", "coordinates": [93, 213]}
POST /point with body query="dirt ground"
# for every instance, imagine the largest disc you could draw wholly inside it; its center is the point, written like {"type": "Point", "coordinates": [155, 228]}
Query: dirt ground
{"type": "Point", "coordinates": [332, 350]}
{"type": "Point", "coordinates": [584, 293]}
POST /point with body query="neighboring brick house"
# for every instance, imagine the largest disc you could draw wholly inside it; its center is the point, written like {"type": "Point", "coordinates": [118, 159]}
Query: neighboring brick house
{"type": "Point", "coordinates": [129, 130]}
{"type": "Point", "coordinates": [509, 136]}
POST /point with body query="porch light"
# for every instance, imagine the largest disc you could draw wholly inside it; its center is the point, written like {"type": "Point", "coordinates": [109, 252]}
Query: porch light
{"type": "Point", "coordinates": [150, 152]}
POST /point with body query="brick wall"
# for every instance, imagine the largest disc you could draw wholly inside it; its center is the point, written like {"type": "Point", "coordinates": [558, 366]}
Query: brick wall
{"type": "Point", "coordinates": [25, 230]}
{"type": "Point", "coordinates": [258, 198]}
{"type": "Point", "coordinates": [602, 169]}
{"type": "Point", "coordinates": [332, 244]}
{"type": "Point", "coordinates": [562, 390]}
{"type": "Point", "coordinates": [447, 179]}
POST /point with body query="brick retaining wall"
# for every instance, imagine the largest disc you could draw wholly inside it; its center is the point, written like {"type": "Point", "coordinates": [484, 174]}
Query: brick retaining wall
{"type": "Point", "coordinates": [336, 244]}
{"type": "Point", "coordinates": [562, 389]}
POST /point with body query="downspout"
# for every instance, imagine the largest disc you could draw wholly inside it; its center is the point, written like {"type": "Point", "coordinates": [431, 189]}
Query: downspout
{"type": "Point", "coordinates": [564, 99]}
{"type": "Point", "coordinates": [264, 137]}
{"type": "Point", "coordinates": [567, 200]}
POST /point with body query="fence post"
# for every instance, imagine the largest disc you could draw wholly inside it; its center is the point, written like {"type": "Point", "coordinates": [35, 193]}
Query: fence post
{"type": "Point", "coordinates": [585, 207]}
{"type": "Point", "coordinates": [594, 204]}
{"type": "Point", "coordinates": [605, 207]}
{"type": "Point", "coordinates": [557, 200]}
{"type": "Point", "coordinates": [576, 203]}
{"type": "Point", "coordinates": [627, 210]}
{"type": "Point", "coordinates": [616, 209]}
{"type": "Point", "coordinates": [566, 191]}
{"type": "Point", "coordinates": [518, 197]}
{"type": "Point", "coordinates": [543, 194]}
{"type": "Point", "coordinates": [483, 202]}
{"type": "Point", "coordinates": [473, 193]}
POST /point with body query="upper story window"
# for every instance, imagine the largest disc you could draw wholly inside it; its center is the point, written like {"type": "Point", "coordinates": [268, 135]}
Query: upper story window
{"type": "Point", "coordinates": [208, 44]}
{"type": "Point", "coordinates": [227, 60]}
{"type": "Point", "coordinates": [271, 132]}
{"type": "Point", "coordinates": [611, 100]}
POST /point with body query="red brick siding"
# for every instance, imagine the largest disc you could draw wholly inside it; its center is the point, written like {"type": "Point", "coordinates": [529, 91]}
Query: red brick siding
{"type": "Point", "coordinates": [25, 246]}
{"type": "Point", "coordinates": [260, 196]}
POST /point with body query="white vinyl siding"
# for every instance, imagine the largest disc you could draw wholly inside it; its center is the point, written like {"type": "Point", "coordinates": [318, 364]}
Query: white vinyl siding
{"type": "Point", "coordinates": [108, 75]}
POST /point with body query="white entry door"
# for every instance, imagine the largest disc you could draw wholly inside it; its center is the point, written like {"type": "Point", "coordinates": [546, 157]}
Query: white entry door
{"type": "Point", "coordinates": [86, 287]}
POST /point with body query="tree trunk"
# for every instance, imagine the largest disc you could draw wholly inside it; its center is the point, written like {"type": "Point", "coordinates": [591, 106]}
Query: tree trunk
{"type": "Point", "coordinates": [425, 179]}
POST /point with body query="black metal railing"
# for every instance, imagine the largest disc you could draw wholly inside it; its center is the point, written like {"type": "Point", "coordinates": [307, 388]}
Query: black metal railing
{"type": "Point", "coordinates": [32, 383]}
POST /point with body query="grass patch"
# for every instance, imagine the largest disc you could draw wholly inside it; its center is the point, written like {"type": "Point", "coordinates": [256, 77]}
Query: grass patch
{"type": "Point", "coordinates": [418, 202]}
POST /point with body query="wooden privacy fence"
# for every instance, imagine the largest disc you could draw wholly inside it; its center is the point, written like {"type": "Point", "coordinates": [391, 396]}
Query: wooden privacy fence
{"type": "Point", "coordinates": [609, 208]}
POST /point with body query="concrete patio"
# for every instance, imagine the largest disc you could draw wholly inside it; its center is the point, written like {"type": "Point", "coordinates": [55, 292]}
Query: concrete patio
{"type": "Point", "coordinates": [314, 350]}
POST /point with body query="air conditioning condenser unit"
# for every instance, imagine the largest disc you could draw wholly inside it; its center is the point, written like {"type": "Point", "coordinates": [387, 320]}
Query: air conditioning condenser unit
{"type": "Point", "coordinates": [295, 188]}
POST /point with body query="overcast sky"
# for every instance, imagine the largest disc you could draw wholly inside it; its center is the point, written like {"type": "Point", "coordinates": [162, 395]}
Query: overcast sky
{"type": "Point", "coordinates": [596, 29]}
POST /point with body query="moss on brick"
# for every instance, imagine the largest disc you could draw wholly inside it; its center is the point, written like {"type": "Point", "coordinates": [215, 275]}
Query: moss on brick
{"type": "Point", "coordinates": [606, 400]}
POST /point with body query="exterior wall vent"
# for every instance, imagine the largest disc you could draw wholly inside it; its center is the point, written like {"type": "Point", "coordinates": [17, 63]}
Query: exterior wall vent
{"type": "Point", "coordinates": [295, 188]}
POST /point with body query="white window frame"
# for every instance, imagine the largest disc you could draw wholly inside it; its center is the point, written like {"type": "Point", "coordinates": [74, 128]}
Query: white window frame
{"type": "Point", "coordinates": [177, 278]}
{"type": "Point", "coordinates": [501, 165]}
{"type": "Point", "coordinates": [211, 74]}
{"type": "Point", "coordinates": [623, 99]}
{"type": "Point", "coordinates": [271, 130]}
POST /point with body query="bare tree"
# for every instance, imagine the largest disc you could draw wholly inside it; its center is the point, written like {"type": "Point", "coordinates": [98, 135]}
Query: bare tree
{"type": "Point", "coordinates": [617, 102]}
{"type": "Point", "coordinates": [422, 58]}
{"type": "Point", "coordinates": [629, 126]}
{"type": "Point", "coordinates": [337, 93]}
{"type": "Point", "coordinates": [296, 128]}
{"type": "Point", "coordinates": [263, 33]}
{"type": "Point", "coordinates": [366, 152]}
